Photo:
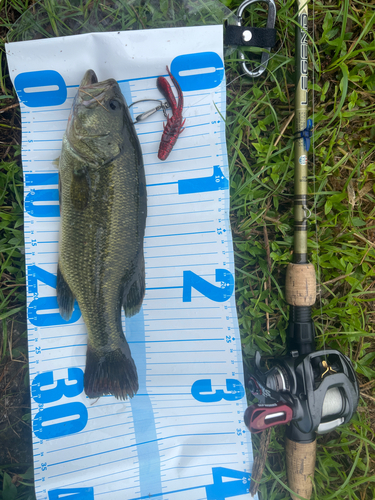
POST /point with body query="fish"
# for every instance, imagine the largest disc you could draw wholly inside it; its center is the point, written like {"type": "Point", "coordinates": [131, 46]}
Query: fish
{"type": "Point", "coordinates": [103, 203]}
{"type": "Point", "coordinates": [174, 126]}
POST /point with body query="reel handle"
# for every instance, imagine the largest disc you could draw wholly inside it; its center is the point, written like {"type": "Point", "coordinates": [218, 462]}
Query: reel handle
{"type": "Point", "coordinates": [300, 464]}
{"type": "Point", "coordinates": [260, 417]}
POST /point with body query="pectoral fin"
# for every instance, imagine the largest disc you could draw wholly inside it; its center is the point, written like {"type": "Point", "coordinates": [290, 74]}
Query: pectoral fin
{"type": "Point", "coordinates": [80, 188]}
{"type": "Point", "coordinates": [65, 297]}
{"type": "Point", "coordinates": [60, 191]}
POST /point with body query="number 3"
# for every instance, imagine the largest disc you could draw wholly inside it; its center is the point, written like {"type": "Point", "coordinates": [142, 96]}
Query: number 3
{"type": "Point", "coordinates": [62, 389]}
{"type": "Point", "coordinates": [201, 390]}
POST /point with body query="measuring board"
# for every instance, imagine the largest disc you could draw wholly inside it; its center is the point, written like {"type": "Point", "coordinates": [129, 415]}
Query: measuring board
{"type": "Point", "coordinates": [182, 436]}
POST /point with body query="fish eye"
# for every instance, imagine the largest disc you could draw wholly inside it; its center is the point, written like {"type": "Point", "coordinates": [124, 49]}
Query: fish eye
{"type": "Point", "coordinates": [114, 105]}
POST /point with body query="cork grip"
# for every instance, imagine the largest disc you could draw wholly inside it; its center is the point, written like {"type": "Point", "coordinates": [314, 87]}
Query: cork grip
{"type": "Point", "coordinates": [300, 463]}
{"type": "Point", "coordinates": [300, 286]}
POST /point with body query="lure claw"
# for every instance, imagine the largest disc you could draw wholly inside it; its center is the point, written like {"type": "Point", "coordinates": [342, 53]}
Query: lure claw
{"type": "Point", "coordinates": [174, 126]}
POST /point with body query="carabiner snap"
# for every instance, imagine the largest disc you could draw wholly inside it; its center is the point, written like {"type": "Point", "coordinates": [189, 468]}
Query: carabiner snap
{"type": "Point", "coordinates": [143, 116]}
{"type": "Point", "coordinates": [270, 24]}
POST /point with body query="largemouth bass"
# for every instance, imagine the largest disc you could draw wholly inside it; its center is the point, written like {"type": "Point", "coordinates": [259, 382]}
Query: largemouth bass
{"type": "Point", "coordinates": [103, 216]}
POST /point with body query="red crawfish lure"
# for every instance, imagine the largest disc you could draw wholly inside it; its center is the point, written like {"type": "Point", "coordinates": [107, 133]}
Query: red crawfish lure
{"type": "Point", "coordinates": [174, 125]}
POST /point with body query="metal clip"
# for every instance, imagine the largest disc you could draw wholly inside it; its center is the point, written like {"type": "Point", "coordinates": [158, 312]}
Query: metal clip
{"type": "Point", "coordinates": [306, 212]}
{"type": "Point", "coordinates": [143, 116]}
{"type": "Point", "coordinates": [270, 24]}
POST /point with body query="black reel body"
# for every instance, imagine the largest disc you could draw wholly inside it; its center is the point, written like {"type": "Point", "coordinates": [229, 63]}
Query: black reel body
{"type": "Point", "coordinates": [316, 391]}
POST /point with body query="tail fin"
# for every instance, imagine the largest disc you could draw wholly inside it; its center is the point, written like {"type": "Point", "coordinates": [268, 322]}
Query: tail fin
{"type": "Point", "coordinates": [111, 372]}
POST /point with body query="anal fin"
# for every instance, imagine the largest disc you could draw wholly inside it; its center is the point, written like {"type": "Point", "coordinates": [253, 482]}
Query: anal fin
{"type": "Point", "coordinates": [133, 299]}
{"type": "Point", "coordinates": [65, 297]}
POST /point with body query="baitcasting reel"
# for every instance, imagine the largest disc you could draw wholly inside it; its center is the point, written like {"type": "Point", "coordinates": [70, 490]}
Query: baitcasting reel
{"type": "Point", "coordinates": [317, 391]}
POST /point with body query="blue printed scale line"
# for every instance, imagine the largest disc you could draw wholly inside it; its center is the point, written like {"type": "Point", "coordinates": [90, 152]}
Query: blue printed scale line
{"type": "Point", "coordinates": [182, 436]}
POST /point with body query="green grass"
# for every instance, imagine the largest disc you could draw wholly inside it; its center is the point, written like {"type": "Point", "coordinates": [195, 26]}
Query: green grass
{"type": "Point", "coordinates": [12, 275]}
{"type": "Point", "coordinates": [341, 230]}
{"type": "Point", "coordinates": [260, 147]}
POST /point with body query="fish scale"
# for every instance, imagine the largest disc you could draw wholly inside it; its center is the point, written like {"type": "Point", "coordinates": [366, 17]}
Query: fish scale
{"type": "Point", "coordinates": [103, 209]}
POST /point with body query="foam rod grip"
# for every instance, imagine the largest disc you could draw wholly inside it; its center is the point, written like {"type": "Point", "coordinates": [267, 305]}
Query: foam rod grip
{"type": "Point", "coordinates": [300, 463]}
{"type": "Point", "coordinates": [300, 285]}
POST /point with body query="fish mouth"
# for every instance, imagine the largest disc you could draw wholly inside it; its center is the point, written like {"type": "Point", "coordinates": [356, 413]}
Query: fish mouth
{"type": "Point", "coordinates": [87, 99]}
{"type": "Point", "coordinates": [91, 94]}
{"type": "Point", "coordinates": [89, 78]}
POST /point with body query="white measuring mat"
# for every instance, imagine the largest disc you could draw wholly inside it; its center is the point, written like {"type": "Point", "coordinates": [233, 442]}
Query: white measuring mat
{"type": "Point", "coordinates": [182, 436]}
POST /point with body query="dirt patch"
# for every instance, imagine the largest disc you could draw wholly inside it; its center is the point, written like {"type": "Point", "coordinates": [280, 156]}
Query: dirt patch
{"type": "Point", "coordinates": [15, 415]}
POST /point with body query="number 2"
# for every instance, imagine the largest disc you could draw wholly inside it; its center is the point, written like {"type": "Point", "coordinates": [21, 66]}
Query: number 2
{"type": "Point", "coordinates": [212, 292]}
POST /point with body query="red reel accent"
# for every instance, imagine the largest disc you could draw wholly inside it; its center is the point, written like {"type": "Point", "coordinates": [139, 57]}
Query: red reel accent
{"type": "Point", "coordinates": [259, 417]}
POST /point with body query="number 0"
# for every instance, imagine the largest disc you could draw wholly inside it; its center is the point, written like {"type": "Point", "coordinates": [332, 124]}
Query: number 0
{"type": "Point", "coordinates": [29, 87]}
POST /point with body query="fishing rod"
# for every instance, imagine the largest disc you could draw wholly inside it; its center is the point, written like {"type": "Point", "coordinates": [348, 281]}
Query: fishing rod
{"type": "Point", "coordinates": [312, 391]}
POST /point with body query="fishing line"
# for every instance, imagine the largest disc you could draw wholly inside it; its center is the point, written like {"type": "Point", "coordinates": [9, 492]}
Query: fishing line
{"type": "Point", "coordinates": [320, 305]}
{"type": "Point", "coordinates": [93, 97]}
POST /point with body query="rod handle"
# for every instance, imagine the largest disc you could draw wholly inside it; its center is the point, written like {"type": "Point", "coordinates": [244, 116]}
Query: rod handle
{"type": "Point", "coordinates": [300, 464]}
{"type": "Point", "coordinates": [300, 285]}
